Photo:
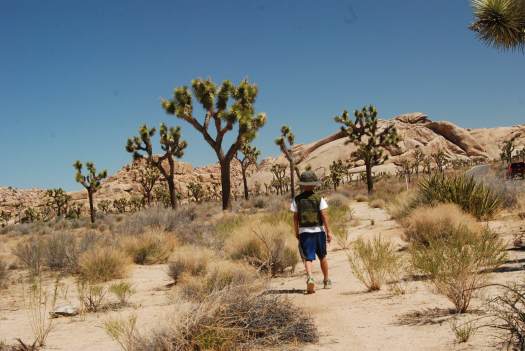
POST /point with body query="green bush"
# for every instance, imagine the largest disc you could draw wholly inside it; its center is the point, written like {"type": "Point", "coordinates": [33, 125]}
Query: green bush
{"type": "Point", "coordinates": [374, 262]}
{"type": "Point", "coordinates": [454, 262]}
{"type": "Point", "coordinates": [473, 197]}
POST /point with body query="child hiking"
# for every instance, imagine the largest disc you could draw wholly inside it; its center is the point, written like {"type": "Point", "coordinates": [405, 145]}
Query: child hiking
{"type": "Point", "coordinates": [311, 228]}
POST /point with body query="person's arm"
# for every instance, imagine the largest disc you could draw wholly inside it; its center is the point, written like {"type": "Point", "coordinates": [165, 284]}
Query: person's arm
{"type": "Point", "coordinates": [296, 224]}
{"type": "Point", "coordinates": [324, 218]}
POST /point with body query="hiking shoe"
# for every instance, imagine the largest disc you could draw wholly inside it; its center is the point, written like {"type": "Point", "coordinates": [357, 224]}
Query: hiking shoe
{"type": "Point", "coordinates": [327, 284]}
{"type": "Point", "coordinates": [310, 285]}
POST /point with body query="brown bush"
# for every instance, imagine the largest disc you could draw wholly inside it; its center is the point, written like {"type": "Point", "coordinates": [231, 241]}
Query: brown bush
{"type": "Point", "coordinates": [189, 261]}
{"type": "Point", "coordinates": [270, 247]}
{"type": "Point", "coordinates": [153, 247]}
{"type": "Point", "coordinates": [377, 203]}
{"type": "Point", "coordinates": [223, 275]}
{"type": "Point", "coordinates": [234, 319]}
{"type": "Point", "coordinates": [425, 224]}
{"type": "Point", "coordinates": [4, 273]}
{"type": "Point", "coordinates": [61, 252]}
{"type": "Point", "coordinates": [105, 263]}
{"type": "Point", "coordinates": [30, 253]}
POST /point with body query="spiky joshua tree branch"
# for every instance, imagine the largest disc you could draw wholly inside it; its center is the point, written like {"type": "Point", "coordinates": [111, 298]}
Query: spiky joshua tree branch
{"type": "Point", "coordinates": [249, 157]}
{"type": "Point", "coordinates": [286, 142]}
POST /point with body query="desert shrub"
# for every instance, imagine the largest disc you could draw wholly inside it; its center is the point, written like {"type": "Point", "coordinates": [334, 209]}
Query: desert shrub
{"type": "Point", "coordinates": [122, 291]}
{"type": "Point", "coordinates": [61, 252]}
{"type": "Point", "coordinates": [91, 296]}
{"type": "Point", "coordinates": [123, 331]}
{"type": "Point", "coordinates": [154, 246]}
{"type": "Point", "coordinates": [507, 310]}
{"type": "Point", "coordinates": [223, 275]}
{"type": "Point", "coordinates": [165, 219]}
{"type": "Point", "coordinates": [30, 253]}
{"type": "Point", "coordinates": [104, 263]}
{"type": "Point", "coordinates": [401, 204]}
{"type": "Point", "coordinates": [189, 260]}
{"type": "Point", "coordinates": [373, 262]}
{"type": "Point", "coordinates": [228, 223]}
{"type": "Point", "coordinates": [234, 319]}
{"type": "Point", "coordinates": [453, 262]}
{"type": "Point", "coordinates": [472, 196]}
{"type": "Point", "coordinates": [426, 224]}
{"type": "Point", "coordinates": [269, 247]}
{"type": "Point", "coordinates": [377, 203]}
{"type": "Point", "coordinates": [361, 198]}
{"type": "Point", "coordinates": [4, 273]}
{"type": "Point", "coordinates": [339, 214]}
{"type": "Point", "coordinates": [463, 332]}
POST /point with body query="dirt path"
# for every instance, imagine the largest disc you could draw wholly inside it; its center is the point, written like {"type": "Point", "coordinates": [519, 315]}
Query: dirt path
{"type": "Point", "coordinates": [349, 318]}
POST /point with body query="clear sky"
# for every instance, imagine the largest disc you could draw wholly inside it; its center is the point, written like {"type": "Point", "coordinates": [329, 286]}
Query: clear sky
{"type": "Point", "coordinates": [78, 77]}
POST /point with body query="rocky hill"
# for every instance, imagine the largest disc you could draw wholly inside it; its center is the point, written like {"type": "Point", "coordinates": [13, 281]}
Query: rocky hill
{"type": "Point", "coordinates": [415, 129]}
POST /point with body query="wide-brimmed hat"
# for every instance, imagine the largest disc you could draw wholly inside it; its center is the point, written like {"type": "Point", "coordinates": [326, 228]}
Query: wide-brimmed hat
{"type": "Point", "coordinates": [308, 178]}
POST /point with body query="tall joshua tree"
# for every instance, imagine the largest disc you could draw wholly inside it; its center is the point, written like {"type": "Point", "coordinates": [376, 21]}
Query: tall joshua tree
{"type": "Point", "coordinates": [440, 158]}
{"type": "Point", "coordinates": [500, 23]}
{"type": "Point", "coordinates": [419, 157]}
{"type": "Point", "coordinates": [224, 114]}
{"type": "Point", "coordinates": [58, 200]}
{"type": "Point", "coordinates": [288, 137]}
{"type": "Point", "coordinates": [171, 144]}
{"type": "Point", "coordinates": [92, 182]}
{"type": "Point", "coordinates": [371, 140]}
{"type": "Point", "coordinates": [249, 157]}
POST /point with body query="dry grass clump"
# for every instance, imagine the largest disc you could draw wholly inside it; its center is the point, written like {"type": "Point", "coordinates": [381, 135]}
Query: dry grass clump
{"type": "Point", "coordinates": [4, 274]}
{"type": "Point", "coordinates": [374, 262]}
{"type": "Point", "coordinates": [234, 319]}
{"type": "Point", "coordinates": [30, 253]}
{"type": "Point", "coordinates": [361, 198]}
{"type": "Point", "coordinates": [426, 224]}
{"type": "Point", "coordinates": [223, 275]}
{"type": "Point", "coordinates": [377, 203]}
{"type": "Point", "coordinates": [153, 247]}
{"type": "Point", "coordinates": [189, 261]}
{"type": "Point", "coordinates": [401, 204]}
{"type": "Point", "coordinates": [61, 252]}
{"type": "Point", "coordinates": [454, 259]}
{"type": "Point", "coordinates": [104, 263]}
{"type": "Point", "coordinates": [270, 247]}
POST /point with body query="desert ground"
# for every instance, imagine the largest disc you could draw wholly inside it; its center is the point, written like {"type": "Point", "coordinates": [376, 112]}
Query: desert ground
{"type": "Point", "coordinates": [406, 315]}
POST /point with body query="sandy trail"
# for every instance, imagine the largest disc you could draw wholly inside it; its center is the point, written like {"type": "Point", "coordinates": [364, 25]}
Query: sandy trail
{"type": "Point", "coordinates": [349, 318]}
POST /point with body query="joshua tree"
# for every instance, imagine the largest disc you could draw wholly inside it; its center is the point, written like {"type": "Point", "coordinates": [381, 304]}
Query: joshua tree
{"type": "Point", "coordinates": [419, 157]}
{"type": "Point", "coordinates": [4, 217]}
{"type": "Point", "coordinates": [279, 177]}
{"type": "Point", "coordinates": [224, 115]}
{"type": "Point", "coordinates": [288, 136]}
{"type": "Point", "coordinates": [120, 205]}
{"type": "Point", "coordinates": [427, 164]}
{"type": "Point", "coordinates": [369, 139]}
{"type": "Point", "coordinates": [406, 168]}
{"type": "Point", "coordinates": [507, 149]}
{"type": "Point", "coordinates": [250, 154]}
{"type": "Point", "coordinates": [196, 191]}
{"type": "Point", "coordinates": [104, 206]}
{"type": "Point", "coordinates": [91, 181]}
{"type": "Point", "coordinates": [58, 200]}
{"type": "Point", "coordinates": [75, 211]}
{"type": "Point", "coordinates": [500, 23]}
{"type": "Point", "coordinates": [147, 177]}
{"type": "Point", "coordinates": [171, 144]}
{"type": "Point", "coordinates": [30, 215]}
{"type": "Point", "coordinates": [440, 158]}
{"type": "Point", "coordinates": [337, 172]}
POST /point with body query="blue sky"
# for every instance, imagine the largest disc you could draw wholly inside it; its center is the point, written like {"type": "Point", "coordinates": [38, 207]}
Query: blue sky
{"type": "Point", "coordinates": [78, 77]}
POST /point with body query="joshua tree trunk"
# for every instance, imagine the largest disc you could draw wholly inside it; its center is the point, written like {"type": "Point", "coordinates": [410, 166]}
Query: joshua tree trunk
{"type": "Point", "coordinates": [245, 183]}
{"type": "Point", "coordinates": [369, 179]}
{"type": "Point", "coordinates": [226, 184]}
{"type": "Point", "coordinates": [91, 206]}
{"type": "Point", "coordinates": [172, 191]}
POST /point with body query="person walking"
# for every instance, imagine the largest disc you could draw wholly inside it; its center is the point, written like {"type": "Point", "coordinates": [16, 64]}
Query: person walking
{"type": "Point", "coordinates": [311, 228]}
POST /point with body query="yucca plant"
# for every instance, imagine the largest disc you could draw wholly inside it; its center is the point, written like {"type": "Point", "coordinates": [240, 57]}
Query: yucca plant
{"type": "Point", "coordinates": [500, 23]}
{"type": "Point", "coordinates": [473, 197]}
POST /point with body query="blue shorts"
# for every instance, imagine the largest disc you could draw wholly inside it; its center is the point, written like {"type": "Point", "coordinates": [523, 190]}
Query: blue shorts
{"type": "Point", "coordinates": [311, 244]}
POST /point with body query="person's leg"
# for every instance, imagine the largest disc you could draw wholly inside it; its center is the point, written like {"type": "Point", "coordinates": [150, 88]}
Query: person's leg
{"type": "Point", "coordinates": [324, 267]}
{"type": "Point", "coordinates": [322, 254]}
{"type": "Point", "coordinates": [308, 268]}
